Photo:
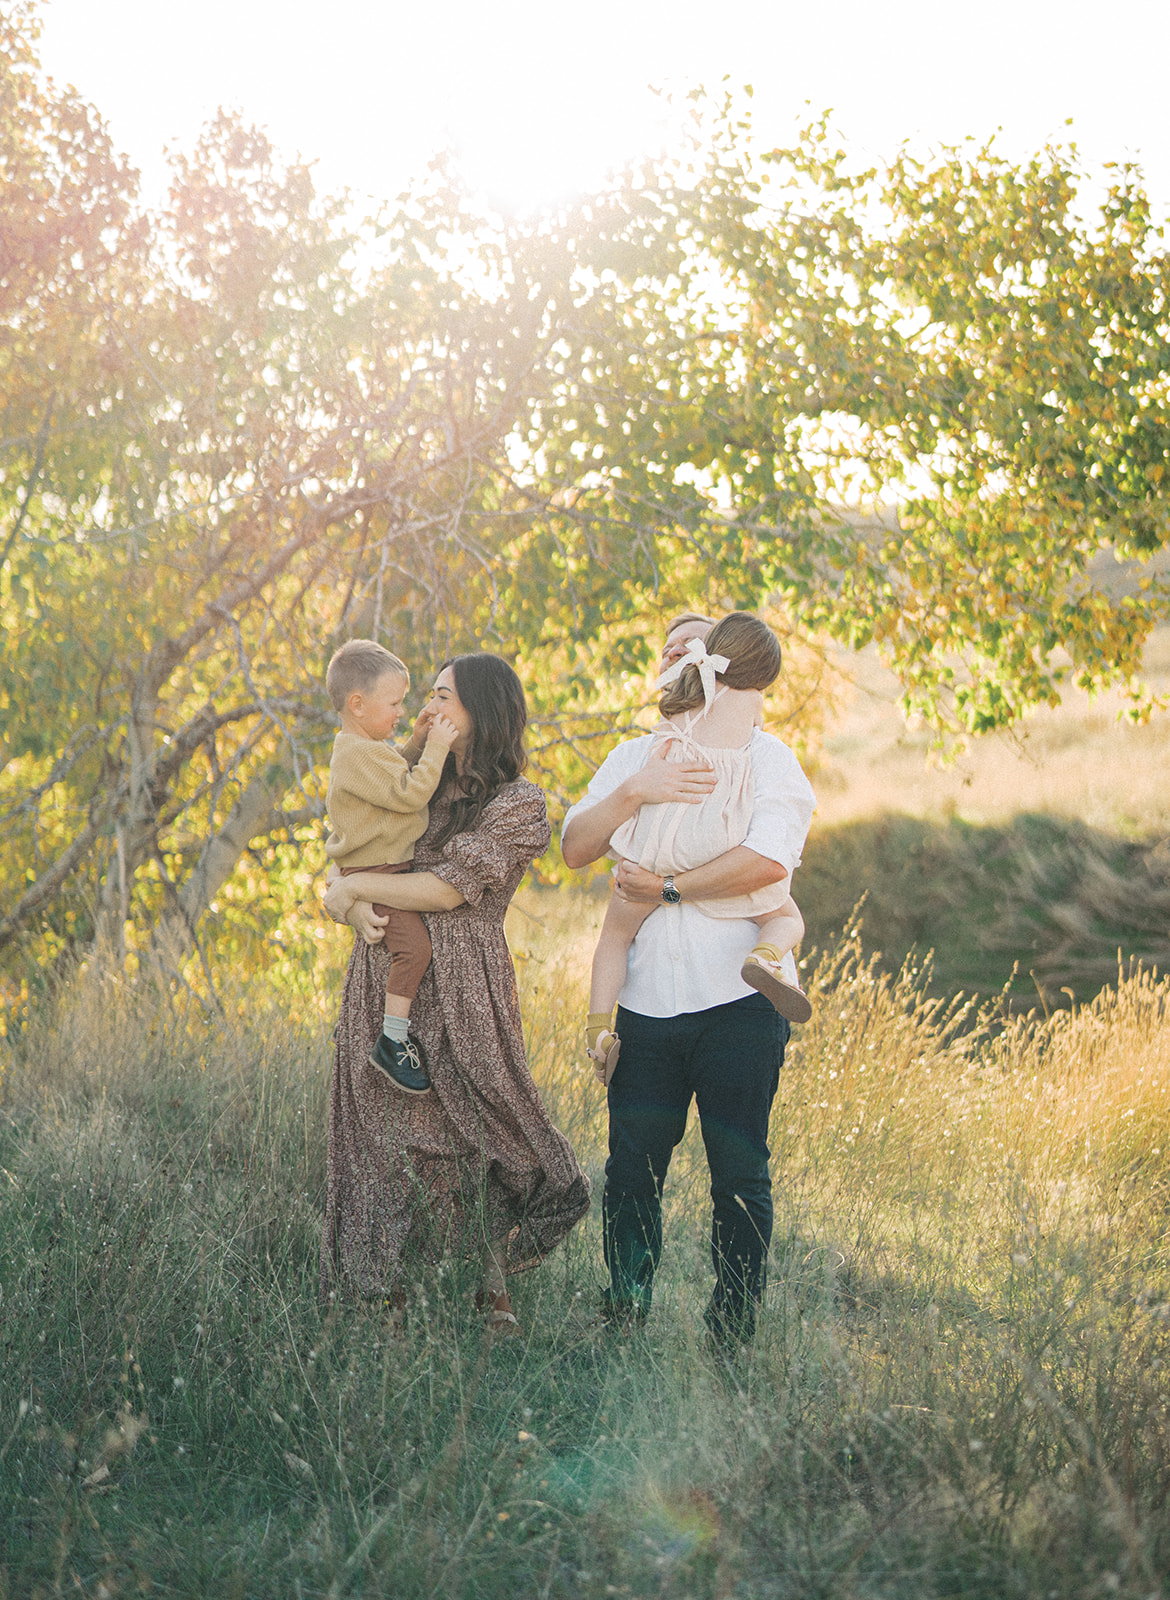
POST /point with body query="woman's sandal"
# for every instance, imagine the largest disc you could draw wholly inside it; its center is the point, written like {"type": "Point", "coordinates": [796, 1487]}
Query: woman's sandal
{"type": "Point", "coordinates": [499, 1320]}
{"type": "Point", "coordinates": [766, 976]}
{"type": "Point", "coordinates": [604, 1056]}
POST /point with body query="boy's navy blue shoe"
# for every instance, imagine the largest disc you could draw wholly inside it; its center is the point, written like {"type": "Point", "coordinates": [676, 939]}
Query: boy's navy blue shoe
{"type": "Point", "coordinates": [403, 1064]}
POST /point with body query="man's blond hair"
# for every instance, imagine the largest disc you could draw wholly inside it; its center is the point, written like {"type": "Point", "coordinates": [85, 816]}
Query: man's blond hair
{"type": "Point", "coordinates": [688, 616]}
{"type": "Point", "coordinates": [753, 662]}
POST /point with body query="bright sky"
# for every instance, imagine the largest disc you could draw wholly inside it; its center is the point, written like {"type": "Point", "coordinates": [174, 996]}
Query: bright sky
{"type": "Point", "coordinates": [541, 96]}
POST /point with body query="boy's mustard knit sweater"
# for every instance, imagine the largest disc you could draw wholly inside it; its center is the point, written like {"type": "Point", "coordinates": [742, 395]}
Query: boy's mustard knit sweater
{"type": "Point", "coordinates": [377, 803]}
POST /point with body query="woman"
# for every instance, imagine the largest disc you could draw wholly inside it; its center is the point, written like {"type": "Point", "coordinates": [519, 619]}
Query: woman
{"type": "Point", "coordinates": [475, 1165]}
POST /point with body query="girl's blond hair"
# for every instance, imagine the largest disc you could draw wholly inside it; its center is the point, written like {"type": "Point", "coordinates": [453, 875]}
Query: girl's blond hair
{"type": "Point", "coordinates": [753, 662]}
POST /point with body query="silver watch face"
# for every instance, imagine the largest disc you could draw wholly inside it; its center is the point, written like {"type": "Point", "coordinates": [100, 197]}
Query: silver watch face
{"type": "Point", "coordinates": [669, 893]}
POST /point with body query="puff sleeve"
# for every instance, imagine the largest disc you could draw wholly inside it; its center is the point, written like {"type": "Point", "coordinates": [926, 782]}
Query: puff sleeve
{"type": "Point", "coordinates": [512, 831]}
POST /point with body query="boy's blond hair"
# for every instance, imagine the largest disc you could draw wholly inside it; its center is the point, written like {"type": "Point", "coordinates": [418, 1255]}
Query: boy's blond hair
{"type": "Point", "coordinates": [356, 668]}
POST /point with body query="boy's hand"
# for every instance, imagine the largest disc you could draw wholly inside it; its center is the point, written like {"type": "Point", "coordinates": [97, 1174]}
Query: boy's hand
{"type": "Point", "coordinates": [441, 728]}
{"type": "Point", "coordinates": [422, 726]}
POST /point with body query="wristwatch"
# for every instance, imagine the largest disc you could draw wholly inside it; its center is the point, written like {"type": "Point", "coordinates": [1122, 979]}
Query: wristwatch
{"type": "Point", "coordinates": [669, 893]}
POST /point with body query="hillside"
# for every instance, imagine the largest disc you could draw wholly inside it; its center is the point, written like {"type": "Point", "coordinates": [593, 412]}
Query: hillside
{"type": "Point", "coordinates": [1050, 849]}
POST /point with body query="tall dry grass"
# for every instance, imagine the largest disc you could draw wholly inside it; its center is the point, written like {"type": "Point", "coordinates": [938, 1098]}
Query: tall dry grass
{"type": "Point", "coordinates": [959, 1386]}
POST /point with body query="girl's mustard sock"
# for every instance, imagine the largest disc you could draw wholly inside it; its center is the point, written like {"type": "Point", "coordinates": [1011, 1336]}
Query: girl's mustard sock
{"type": "Point", "coordinates": [597, 1023]}
{"type": "Point", "coordinates": [769, 952]}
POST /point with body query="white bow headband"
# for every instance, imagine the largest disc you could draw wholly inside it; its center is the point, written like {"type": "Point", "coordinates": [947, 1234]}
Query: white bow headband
{"type": "Point", "coordinates": [696, 656]}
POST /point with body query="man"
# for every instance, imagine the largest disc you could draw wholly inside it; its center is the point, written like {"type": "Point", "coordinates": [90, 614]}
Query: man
{"type": "Point", "coordinates": [679, 631]}
{"type": "Point", "coordinates": [691, 1028]}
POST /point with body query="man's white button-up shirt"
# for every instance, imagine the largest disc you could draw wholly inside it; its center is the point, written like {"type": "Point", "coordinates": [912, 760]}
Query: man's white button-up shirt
{"type": "Point", "coordinates": [681, 959]}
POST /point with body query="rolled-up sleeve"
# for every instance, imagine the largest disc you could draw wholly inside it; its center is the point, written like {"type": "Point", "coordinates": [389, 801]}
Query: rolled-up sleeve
{"type": "Point", "coordinates": [784, 803]}
{"type": "Point", "coordinates": [512, 831]}
{"type": "Point", "coordinates": [621, 763]}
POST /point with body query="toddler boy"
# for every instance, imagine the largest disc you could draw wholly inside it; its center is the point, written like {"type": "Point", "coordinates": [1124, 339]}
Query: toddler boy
{"type": "Point", "coordinates": [377, 806]}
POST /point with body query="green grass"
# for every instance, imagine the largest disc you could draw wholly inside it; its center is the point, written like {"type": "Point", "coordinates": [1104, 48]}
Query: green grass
{"type": "Point", "coordinates": [959, 1387]}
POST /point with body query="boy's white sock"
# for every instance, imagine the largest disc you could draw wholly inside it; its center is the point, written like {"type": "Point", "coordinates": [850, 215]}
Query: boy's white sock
{"type": "Point", "coordinates": [394, 1028]}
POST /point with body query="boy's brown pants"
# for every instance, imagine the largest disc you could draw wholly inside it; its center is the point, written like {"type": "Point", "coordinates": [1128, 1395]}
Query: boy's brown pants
{"type": "Point", "coordinates": [405, 936]}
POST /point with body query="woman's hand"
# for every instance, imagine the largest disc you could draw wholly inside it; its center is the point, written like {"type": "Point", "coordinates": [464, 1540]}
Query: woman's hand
{"type": "Point", "coordinates": [338, 896]}
{"type": "Point", "coordinates": [661, 780]}
{"type": "Point", "coordinates": [405, 891]}
{"type": "Point", "coordinates": [342, 905]}
{"type": "Point", "coordinates": [363, 918]}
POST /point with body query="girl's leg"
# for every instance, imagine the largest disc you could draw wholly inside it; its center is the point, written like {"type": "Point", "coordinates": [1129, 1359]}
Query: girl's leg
{"type": "Point", "coordinates": [618, 931]}
{"type": "Point", "coordinates": [622, 921]}
{"type": "Point", "coordinates": [780, 932]}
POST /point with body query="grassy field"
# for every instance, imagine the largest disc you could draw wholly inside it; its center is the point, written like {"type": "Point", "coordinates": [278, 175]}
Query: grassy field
{"type": "Point", "coordinates": [959, 1387]}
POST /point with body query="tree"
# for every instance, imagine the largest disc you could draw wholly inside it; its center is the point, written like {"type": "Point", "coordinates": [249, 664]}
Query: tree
{"type": "Point", "coordinates": [981, 346]}
{"type": "Point", "coordinates": [241, 431]}
{"type": "Point", "coordinates": [220, 444]}
{"type": "Point", "coordinates": [236, 434]}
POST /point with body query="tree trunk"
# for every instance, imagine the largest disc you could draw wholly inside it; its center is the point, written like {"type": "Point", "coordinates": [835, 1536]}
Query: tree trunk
{"type": "Point", "coordinates": [256, 811]}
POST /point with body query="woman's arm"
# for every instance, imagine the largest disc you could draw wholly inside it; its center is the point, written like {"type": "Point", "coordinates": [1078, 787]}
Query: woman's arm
{"type": "Point", "coordinates": [405, 891]}
{"type": "Point", "coordinates": [659, 781]}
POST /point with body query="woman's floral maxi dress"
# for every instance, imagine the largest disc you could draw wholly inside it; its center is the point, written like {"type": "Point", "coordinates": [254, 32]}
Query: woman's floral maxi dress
{"type": "Point", "coordinates": [417, 1176]}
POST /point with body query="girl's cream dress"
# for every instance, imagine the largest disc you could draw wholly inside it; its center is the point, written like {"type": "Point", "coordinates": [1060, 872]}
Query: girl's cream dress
{"type": "Point", "coordinates": [676, 837]}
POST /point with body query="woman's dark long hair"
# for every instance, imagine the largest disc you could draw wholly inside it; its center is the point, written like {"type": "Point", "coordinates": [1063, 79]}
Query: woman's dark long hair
{"type": "Point", "coordinates": [493, 697]}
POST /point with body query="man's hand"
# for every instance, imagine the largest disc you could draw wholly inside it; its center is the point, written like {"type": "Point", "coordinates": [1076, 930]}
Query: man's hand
{"type": "Point", "coordinates": [589, 832]}
{"type": "Point", "coordinates": [635, 883]}
{"type": "Point", "coordinates": [661, 781]}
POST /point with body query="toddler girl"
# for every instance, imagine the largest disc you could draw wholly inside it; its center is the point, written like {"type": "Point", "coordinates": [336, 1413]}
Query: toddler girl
{"type": "Point", "coordinates": [713, 701]}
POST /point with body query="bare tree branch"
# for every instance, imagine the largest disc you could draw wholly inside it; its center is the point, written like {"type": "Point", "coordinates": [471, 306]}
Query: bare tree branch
{"type": "Point", "coordinates": [82, 741]}
{"type": "Point", "coordinates": [50, 882]}
{"type": "Point", "coordinates": [33, 478]}
{"type": "Point", "coordinates": [251, 815]}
